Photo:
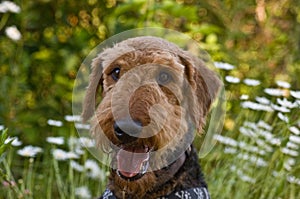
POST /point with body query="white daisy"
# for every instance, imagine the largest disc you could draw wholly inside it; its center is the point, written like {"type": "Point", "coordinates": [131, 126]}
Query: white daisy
{"type": "Point", "coordinates": [256, 106]}
{"type": "Point", "coordinates": [55, 140]}
{"type": "Point", "coordinates": [274, 91]}
{"type": "Point", "coordinates": [93, 170]}
{"type": "Point", "coordinates": [294, 130]}
{"type": "Point", "coordinates": [292, 145]}
{"type": "Point", "coordinates": [295, 94]}
{"type": "Point", "coordinates": [60, 154]}
{"type": "Point", "coordinates": [29, 151]}
{"type": "Point", "coordinates": [283, 84]}
{"type": "Point", "coordinates": [230, 150]}
{"type": "Point", "coordinates": [73, 118]}
{"type": "Point", "coordinates": [262, 100]}
{"type": "Point", "coordinates": [251, 82]}
{"type": "Point", "coordinates": [82, 126]}
{"type": "Point", "coordinates": [264, 125]}
{"type": "Point", "coordinates": [286, 103]}
{"type": "Point", "coordinates": [87, 142]}
{"type": "Point", "coordinates": [54, 123]}
{"type": "Point", "coordinates": [280, 108]}
{"type": "Point", "coordinates": [244, 97]}
{"type": "Point", "coordinates": [295, 139]}
{"type": "Point", "coordinates": [289, 152]}
{"type": "Point", "coordinates": [225, 66]}
{"type": "Point", "coordinates": [283, 117]}
{"type": "Point", "coordinates": [13, 33]}
{"type": "Point", "coordinates": [226, 140]}
{"type": "Point", "coordinates": [232, 79]}
{"type": "Point", "coordinates": [76, 166]}
{"type": "Point", "coordinates": [8, 6]}
{"type": "Point", "coordinates": [83, 192]}
{"type": "Point", "coordinates": [14, 141]}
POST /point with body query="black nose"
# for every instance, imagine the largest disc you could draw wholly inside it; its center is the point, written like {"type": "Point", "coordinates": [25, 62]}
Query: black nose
{"type": "Point", "coordinates": [127, 130]}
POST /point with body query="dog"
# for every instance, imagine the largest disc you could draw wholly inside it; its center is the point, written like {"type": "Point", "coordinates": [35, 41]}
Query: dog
{"type": "Point", "coordinates": [153, 97]}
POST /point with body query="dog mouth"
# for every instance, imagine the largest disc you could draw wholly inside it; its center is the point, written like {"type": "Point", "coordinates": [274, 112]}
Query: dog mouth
{"type": "Point", "coordinates": [132, 162]}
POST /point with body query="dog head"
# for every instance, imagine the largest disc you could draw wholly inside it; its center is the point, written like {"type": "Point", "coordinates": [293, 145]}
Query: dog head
{"type": "Point", "coordinates": [145, 98]}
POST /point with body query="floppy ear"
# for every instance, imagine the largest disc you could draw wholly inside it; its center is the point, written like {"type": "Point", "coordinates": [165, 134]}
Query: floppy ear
{"type": "Point", "coordinates": [205, 86]}
{"type": "Point", "coordinates": [95, 82]}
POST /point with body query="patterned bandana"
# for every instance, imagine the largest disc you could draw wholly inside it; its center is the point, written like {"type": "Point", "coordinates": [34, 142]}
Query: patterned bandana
{"type": "Point", "coordinates": [193, 193]}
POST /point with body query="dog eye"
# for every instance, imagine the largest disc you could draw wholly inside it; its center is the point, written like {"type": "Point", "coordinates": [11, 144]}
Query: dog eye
{"type": "Point", "coordinates": [115, 73]}
{"type": "Point", "coordinates": [163, 78]}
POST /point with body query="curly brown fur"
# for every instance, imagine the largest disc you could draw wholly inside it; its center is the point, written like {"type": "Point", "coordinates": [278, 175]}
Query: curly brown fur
{"type": "Point", "coordinates": [185, 101]}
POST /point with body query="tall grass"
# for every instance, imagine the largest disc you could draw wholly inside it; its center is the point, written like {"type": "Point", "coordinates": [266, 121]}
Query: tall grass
{"type": "Point", "coordinates": [256, 156]}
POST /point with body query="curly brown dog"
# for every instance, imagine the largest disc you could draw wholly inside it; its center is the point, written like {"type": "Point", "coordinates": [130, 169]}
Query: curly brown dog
{"type": "Point", "coordinates": [154, 95]}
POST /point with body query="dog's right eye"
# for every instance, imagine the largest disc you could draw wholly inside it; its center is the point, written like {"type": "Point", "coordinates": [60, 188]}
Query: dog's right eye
{"type": "Point", "coordinates": [115, 73]}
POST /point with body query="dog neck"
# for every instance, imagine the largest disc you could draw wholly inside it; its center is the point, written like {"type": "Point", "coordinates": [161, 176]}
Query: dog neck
{"type": "Point", "coordinates": [167, 172]}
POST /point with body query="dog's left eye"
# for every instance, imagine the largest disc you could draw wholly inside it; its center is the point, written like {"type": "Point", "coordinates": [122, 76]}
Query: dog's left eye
{"type": "Point", "coordinates": [163, 78]}
{"type": "Point", "coordinates": [115, 73]}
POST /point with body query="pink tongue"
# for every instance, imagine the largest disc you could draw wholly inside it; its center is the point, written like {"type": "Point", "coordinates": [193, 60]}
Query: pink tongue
{"type": "Point", "coordinates": [130, 161]}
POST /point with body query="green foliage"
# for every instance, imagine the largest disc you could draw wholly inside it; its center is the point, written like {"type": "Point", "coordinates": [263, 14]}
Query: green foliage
{"type": "Point", "coordinates": [37, 72]}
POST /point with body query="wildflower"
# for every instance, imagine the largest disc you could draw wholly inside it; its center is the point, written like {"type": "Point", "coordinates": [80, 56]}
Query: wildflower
{"type": "Point", "coordinates": [294, 130]}
{"type": "Point", "coordinates": [287, 103]}
{"type": "Point", "coordinates": [76, 166]}
{"type": "Point", "coordinates": [253, 159]}
{"type": "Point", "coordinates": [55, 140]}
{"type": "Point", "coordinates": [289, 152]}
{"type": "Point", "coordinates": [251, 125]}
{"type": "Point", "coordinates": [275, 141]}
{"type": "Point", "coordinates": [295, 139]}
{"type": "Point", "coordinates": [262, 100]}
{"type": "Point", "coordinates": [283, 117]}
{"type": "Point", "coordinates": [280, 108]}
{"type": "Point", "coordinates": [75, 145]}
{"type": "Point", "coordinates": [60, 154]}
{"type": "Point", "coordinates": [93, 170]}
{"type": "Point", "coordinates": [1, 127]}
{"type": "Point", "coordinates": [87, 142]}
{"type": "Point", "coordinates": [250, 148]}
{"type": "Point", "coordinates": [274, 91]}
{"type": "Point", "coordinates": [29, 151]}
{"type": "Point", "coordinates": [82, 126]}
{"type": "Point", "coordinates": [83, 192]}
{"type": "Point", "coordinates": [232, 79]}
{"type": "Point", "coordinates": [244, 97]}
{"type": "Point", "coordinates": [73, 118]}
{"type": "Point", "coordinates": [13, 33]}
{"type": "Point", "coordinates": [264, 125]}
{"type": "Point", "coordinates": [256, 106]}
{"type": "Point", "coordinates": [245, 178]}
{"type": "Point", "coordinates": [293, 179]}
{"type": "Point", "coordinates": [230, 150]}
{"type": "Point", "coordinates": [54, 123]}
{"type": "Point", "coordinates": [226, 140]}
{"type": "Point", "coordinates": [262, 143]}
{"type": "Point", "coordinates": [225, 66]}
{"type": "Point", "coordinates": [251, 82]}
{"type": "Point", "coordinates": [295, 94]}
{"type": "Point", "coordinates": [15, 141]}
{"type": "Point", "coordinates": [8, 6]}
{"type": "Point", "coordinates": [283, 84]}
{"type": "Point", "coordinates": [247, 132]}
{"type": "Point", "coordinates": [292, 145]}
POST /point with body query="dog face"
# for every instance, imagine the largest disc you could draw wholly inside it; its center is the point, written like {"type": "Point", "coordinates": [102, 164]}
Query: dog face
{"type": "Point", "coordinates": [153, 96]}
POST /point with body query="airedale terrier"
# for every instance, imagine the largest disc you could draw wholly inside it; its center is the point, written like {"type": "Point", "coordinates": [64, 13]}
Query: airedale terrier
{"type": "Point", "coordinates": [154, 96]}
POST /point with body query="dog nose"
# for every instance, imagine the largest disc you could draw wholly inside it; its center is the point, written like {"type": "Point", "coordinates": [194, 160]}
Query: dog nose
{"type": "Point", "coordinates": [127, 130]}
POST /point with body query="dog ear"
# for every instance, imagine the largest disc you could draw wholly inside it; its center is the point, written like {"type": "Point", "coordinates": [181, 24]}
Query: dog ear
{"type": "Point", "coordinates": [95, 84]}
{"type": "Point", "coordinates": [204, 87]}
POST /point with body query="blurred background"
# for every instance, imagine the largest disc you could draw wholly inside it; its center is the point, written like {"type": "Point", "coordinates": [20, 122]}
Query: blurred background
{"type": "Point", "coordinates": [261, 38]}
